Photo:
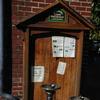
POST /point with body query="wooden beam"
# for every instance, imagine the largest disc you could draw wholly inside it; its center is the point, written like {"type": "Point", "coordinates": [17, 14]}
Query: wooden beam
{"type": "Point", "coordinates": [79, 61]}
{"type": "Point", "coordinates": [26, 63]}
{"type": "Point", "coordinates": [56, 26]}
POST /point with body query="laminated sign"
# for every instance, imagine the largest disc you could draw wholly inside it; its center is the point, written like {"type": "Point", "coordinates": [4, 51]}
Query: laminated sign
{"type": "Point", "coordinates": [37, 73]}
{"type": "Point", "coordinates": [69, 47]}
{"type": "Point", "coordinates": [61, 68]}
{"type": "Point", "coordinates": [57, 46]}
{"type": "Point", "coordinates": [63, 46]}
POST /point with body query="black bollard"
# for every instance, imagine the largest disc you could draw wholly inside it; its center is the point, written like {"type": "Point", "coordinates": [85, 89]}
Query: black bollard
{"type": "Point", "coordinates": [50, 89]}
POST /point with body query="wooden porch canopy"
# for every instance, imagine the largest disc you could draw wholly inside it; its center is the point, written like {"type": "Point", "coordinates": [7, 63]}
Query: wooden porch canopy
{"type": "Point", "coordinates": [74, 21]}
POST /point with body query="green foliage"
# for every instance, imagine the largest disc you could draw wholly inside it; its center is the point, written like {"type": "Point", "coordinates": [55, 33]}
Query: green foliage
{"type": "Point", "coordinates": [94, 35]}
{"type": "Point", "coordinates": [96, 14]}
{"type": "Point", "coordinates": [95, 18]}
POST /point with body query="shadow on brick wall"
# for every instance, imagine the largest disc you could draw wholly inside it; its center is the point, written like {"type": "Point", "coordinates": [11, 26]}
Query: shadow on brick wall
{"type": "Point", "coordinates": [7, 46]}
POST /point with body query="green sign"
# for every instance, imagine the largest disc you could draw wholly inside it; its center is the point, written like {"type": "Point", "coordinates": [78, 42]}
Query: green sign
{"type": "Point", "coordinates": [57, 16]}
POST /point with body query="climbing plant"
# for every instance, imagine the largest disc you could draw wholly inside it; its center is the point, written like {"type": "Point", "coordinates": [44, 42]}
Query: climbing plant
{"type": "Point", "coordinates": [95, 18]}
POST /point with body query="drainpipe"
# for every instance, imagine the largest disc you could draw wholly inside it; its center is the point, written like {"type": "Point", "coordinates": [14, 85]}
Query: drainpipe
{"type": "Point", "coordinates": [1, 43]}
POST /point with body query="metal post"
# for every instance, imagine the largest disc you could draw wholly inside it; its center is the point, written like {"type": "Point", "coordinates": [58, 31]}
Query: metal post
{"type": "Point", "coordinates": [50, 89]}
{"type": "Point", "coordinates": [1, 43]}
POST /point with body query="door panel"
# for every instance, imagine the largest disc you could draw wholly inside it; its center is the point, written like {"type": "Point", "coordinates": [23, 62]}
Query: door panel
{"type": "Point", "coordinates": [68, 81]}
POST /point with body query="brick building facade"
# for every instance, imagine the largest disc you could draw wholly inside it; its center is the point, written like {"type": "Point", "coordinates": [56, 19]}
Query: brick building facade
{"type": "Point", "coordinates": [21, 9]}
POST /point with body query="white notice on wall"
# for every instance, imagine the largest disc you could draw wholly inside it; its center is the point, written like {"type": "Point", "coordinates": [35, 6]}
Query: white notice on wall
{"type": "Point", "coordinates": [37, 74]}
{"type": "Point", "coordinates": [61, 68]}
{"type": "Point", "coordinates": [57, 46]}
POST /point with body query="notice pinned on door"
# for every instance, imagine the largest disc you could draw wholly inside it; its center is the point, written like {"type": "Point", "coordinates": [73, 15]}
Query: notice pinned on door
{"type": "Point", "coordinates": [61, 68]}
{"type": "Point", "coordinates": [37, 74]}
{"type": "Point", "coordinates": [69, 47]}
{"type": "Point", "coordinates": [63, 46]}
{"type": "Point", "coordinates": [57, 46]}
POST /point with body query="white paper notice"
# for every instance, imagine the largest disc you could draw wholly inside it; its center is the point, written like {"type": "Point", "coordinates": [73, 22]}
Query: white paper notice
{"type": "Point", "coordinates": [69, 47]}
{"type": "Point", "coordinates": [63, 46]}
{"type": "Point", "coordinates": [37, 74]}
{"type": "Point", "coordinates": [57, 46]}
{"type": "Point", "coordinates": [61, 68]}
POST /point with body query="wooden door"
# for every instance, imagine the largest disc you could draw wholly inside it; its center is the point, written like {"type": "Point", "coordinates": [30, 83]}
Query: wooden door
{"type": "Point", "coordinates": [69, 82]}
{"type": "Point", "coordinates": [43, 57]}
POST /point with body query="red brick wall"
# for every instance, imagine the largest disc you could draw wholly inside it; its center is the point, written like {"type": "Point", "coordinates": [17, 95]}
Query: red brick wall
{"type": "Point", "coordinates": [22, 9]}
